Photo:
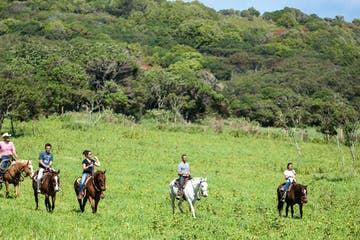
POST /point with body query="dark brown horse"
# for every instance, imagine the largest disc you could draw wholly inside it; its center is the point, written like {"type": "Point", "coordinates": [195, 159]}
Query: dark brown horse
{"type": "Point", "coordinates": [93, 190]}
{"type": "Point", "coordinates": [13, 175]}
{"type": "Point", "coordinates": [50, 184]}
{"type": "Point", "coordinates": [297, 194]}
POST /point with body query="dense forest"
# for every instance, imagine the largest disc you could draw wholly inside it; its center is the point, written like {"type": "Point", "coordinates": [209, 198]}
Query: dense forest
{"type": "Point", "coordinates": [138, 57]}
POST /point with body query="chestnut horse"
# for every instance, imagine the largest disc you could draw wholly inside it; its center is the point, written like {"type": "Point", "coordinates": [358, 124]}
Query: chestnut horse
{"type": "Point", "coordinates": [297, 194]}
{"type": "Point", "coordinates": [93, 190]}
{"type": "Point", "coordinates": [13, 175]}
{"type": "Point", "coordinates": [50, 184]}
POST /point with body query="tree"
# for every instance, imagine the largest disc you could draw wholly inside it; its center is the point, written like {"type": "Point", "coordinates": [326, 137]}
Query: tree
{"type": "Point", "coordinates": [199, 33]}
{"type": "Point", "coordinates": [19, 101]}
{"type": "Point", "coordinates": [177, 103]}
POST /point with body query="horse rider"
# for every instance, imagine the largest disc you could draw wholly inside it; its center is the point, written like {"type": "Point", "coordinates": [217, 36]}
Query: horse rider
{"type": "Point", "coordinates": [7, 153]}
{"type": "Point", "coordinates": [184, 174]}
{"type": "Point", "coordinates": [88, 165]}
{"type": "Point", "coordinates": [46, 159]}
{"type": "Point", "coordinates": [289, 174]}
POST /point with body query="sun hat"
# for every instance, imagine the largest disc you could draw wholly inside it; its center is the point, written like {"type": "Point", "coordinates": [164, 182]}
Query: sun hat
{"type": "Point", "coordinates": [6, 135]}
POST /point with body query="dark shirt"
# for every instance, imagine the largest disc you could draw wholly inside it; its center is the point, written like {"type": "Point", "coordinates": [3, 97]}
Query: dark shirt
{"type": "Point", "coordinates": [87, 163]}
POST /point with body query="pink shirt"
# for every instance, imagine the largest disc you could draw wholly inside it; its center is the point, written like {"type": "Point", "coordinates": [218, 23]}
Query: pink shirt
{"type": "Point", "coordinates": [6, 148]}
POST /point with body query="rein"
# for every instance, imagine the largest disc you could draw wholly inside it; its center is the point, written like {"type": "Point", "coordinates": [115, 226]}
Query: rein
{"type": "Point", "coordinates": [20, 178]}
{"type": "Point", "coordinates": [93, 182]}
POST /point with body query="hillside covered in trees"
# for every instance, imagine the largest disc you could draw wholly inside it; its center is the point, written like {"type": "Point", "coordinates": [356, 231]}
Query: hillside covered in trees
{"type": "Point", "coordinates": [138, 56]}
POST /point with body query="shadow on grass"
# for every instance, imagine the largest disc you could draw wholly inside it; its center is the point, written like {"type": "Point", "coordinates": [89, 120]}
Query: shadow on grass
{"type": "Point", "coordinates": [335, 179]}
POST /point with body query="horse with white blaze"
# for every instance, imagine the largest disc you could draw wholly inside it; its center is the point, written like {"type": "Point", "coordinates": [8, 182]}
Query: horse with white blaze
{"type": "Point", "coordinates": [192, 191]}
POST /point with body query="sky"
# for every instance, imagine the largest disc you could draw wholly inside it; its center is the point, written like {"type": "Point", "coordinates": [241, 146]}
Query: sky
{"type": "Point", "coordinates": [349, 9]}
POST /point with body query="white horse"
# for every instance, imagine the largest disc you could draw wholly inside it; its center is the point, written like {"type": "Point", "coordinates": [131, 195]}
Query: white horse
{"type": "Point", "coordinates": [191, 193]}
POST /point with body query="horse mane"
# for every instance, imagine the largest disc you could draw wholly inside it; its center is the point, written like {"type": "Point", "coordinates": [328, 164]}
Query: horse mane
{"type": "Point", "coordinates": [298, 186]}
{"type": "Point", "coordinates": [21, 161]}
{"type": "Point", "coordinates": [200, 179]}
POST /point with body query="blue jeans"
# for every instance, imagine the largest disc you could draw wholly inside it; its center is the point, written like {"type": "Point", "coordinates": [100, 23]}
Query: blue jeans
{"type": "Point", "coordinates": [287, 184]}
{"type": "Point", "coordinates": [83, 179]}
{"type": "Point", "coordinates": [182, 181]}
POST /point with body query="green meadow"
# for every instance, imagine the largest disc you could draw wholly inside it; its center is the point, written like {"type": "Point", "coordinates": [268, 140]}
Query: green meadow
{"type": "Point", "coordinates": [140, 160]}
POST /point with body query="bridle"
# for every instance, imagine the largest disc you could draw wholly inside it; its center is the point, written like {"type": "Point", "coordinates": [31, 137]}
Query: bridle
{"type": "Point", "coordinates": [18, 170]}
{"type": "Point", "coordinates": [97, 188]}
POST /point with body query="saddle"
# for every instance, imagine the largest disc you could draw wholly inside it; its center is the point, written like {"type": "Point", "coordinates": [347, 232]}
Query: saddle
{"type": "Point", "coordinates": [36, 173]}
{"type": "Point", "coordinates": [8, 164]}
{"type": "Point", "coordinates": [289, 188]}
{"type": "Point", "coordinates": [177, 182]}
{"type": "Point", "coordinates": [78, 182]}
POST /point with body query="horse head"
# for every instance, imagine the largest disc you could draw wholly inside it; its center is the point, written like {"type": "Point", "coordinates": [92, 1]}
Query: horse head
{"type": "Point", "coordinates": [55, 180]}
{"type": "Point", "coordinates": [304, 194]}
{"type": "Point", "coordinates": [27, 167]}
{"type": "Point", "coordinates": [100, 179]}
{"type": "Point", "coordinates": [203, 186]}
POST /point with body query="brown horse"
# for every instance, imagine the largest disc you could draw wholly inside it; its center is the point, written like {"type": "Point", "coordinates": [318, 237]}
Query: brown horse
{"type": "Point", "coordinates": [93, 189]}
{"type": "Point", "coordinates": [13, 175]}
{"type": "Point", "coordinates": [50, 184]}
{"type": "Point", "coordinates": [297, 194]}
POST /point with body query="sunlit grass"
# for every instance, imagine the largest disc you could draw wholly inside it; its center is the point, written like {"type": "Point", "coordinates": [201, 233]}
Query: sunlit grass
{"type": "Point", "coordinates": [243, 173]}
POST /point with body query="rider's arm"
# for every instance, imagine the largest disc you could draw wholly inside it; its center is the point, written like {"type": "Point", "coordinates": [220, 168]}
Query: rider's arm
{"type": "Point", "coordinates": [14, 152]}
{"type": "Point", "coordinates": [97, 163]}
{"type": "Point", "coordinates": [85, 167]}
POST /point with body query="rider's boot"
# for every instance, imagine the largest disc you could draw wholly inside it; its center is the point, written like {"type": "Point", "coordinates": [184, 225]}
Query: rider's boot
{"type": "Point", "coordinates": [283, 197]}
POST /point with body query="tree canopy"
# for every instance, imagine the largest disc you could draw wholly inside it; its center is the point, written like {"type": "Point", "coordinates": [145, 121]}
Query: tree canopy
{"type": "Point", "coordinates": [131, 56]}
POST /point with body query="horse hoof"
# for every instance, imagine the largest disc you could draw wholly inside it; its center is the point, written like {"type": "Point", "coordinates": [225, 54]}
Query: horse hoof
{"type": "Point", "coordinates": [102, 196]}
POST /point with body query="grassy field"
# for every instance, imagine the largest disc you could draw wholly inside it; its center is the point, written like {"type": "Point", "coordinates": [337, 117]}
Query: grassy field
{"type": "Point", "coordinates": [140, 160]}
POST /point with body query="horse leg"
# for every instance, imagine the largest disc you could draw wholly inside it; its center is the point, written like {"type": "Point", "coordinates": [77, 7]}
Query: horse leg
{"type": "Point", "coordinates": [91, 201]}
{"type": "Point", "coordinates": [280, 206]}
{"type": "Point", "coordinates": [35, 195]}
{"type": "Point", "coordinates": [84, 203]}
{"type": "Point", "coordinates": [180, 206]}
{"type": "Point", "coordinates": [7, 189]}
{"type": "Point", "coordinates": [172, 197]}
{"type": "Point", "coordinates": [301, 211]}
{"type": "Point", "coordinates": [96, 204]}
{"type": "Point", "coordinates": [192, 207]}
{"type": "Point", "coordinates": [47, 203]}
{"type": "Point", "coordinates": [287, 209]}
{"type": "Point", "coordinates": [53, 199]}
{"type": "Point", "coordinates": [16, 190]}
{"type": "Point", "coordinates": [292, 211]}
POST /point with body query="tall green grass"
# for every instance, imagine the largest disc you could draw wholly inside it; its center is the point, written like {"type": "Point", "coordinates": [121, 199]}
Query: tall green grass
{"type": "Point", "coordinates": [243, 173]}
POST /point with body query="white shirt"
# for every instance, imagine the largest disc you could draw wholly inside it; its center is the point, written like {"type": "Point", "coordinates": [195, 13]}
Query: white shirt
{"type": "Point", "coordinates": [290, 174]}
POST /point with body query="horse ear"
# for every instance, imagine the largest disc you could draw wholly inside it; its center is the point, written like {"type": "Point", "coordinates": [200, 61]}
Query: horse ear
{"type": "Point", "coordinates": [104, 171]}
{"type": "Point", "coordinates": [205, 179]}
{"type": "Point", "coordinates": [58, 171]}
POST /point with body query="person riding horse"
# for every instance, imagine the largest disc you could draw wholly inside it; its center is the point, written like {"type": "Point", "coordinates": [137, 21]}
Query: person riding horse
{"type": "Point", "coordinates": [184, 174]}
{"type": "Point", "coordinates": [290, 178]}
{"type": "Point", "coordinates": [88, 169]}
{"type": "Point", "coordinates": [7, 153]}
{"type": "Point", "coordinates": [46, 159]}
